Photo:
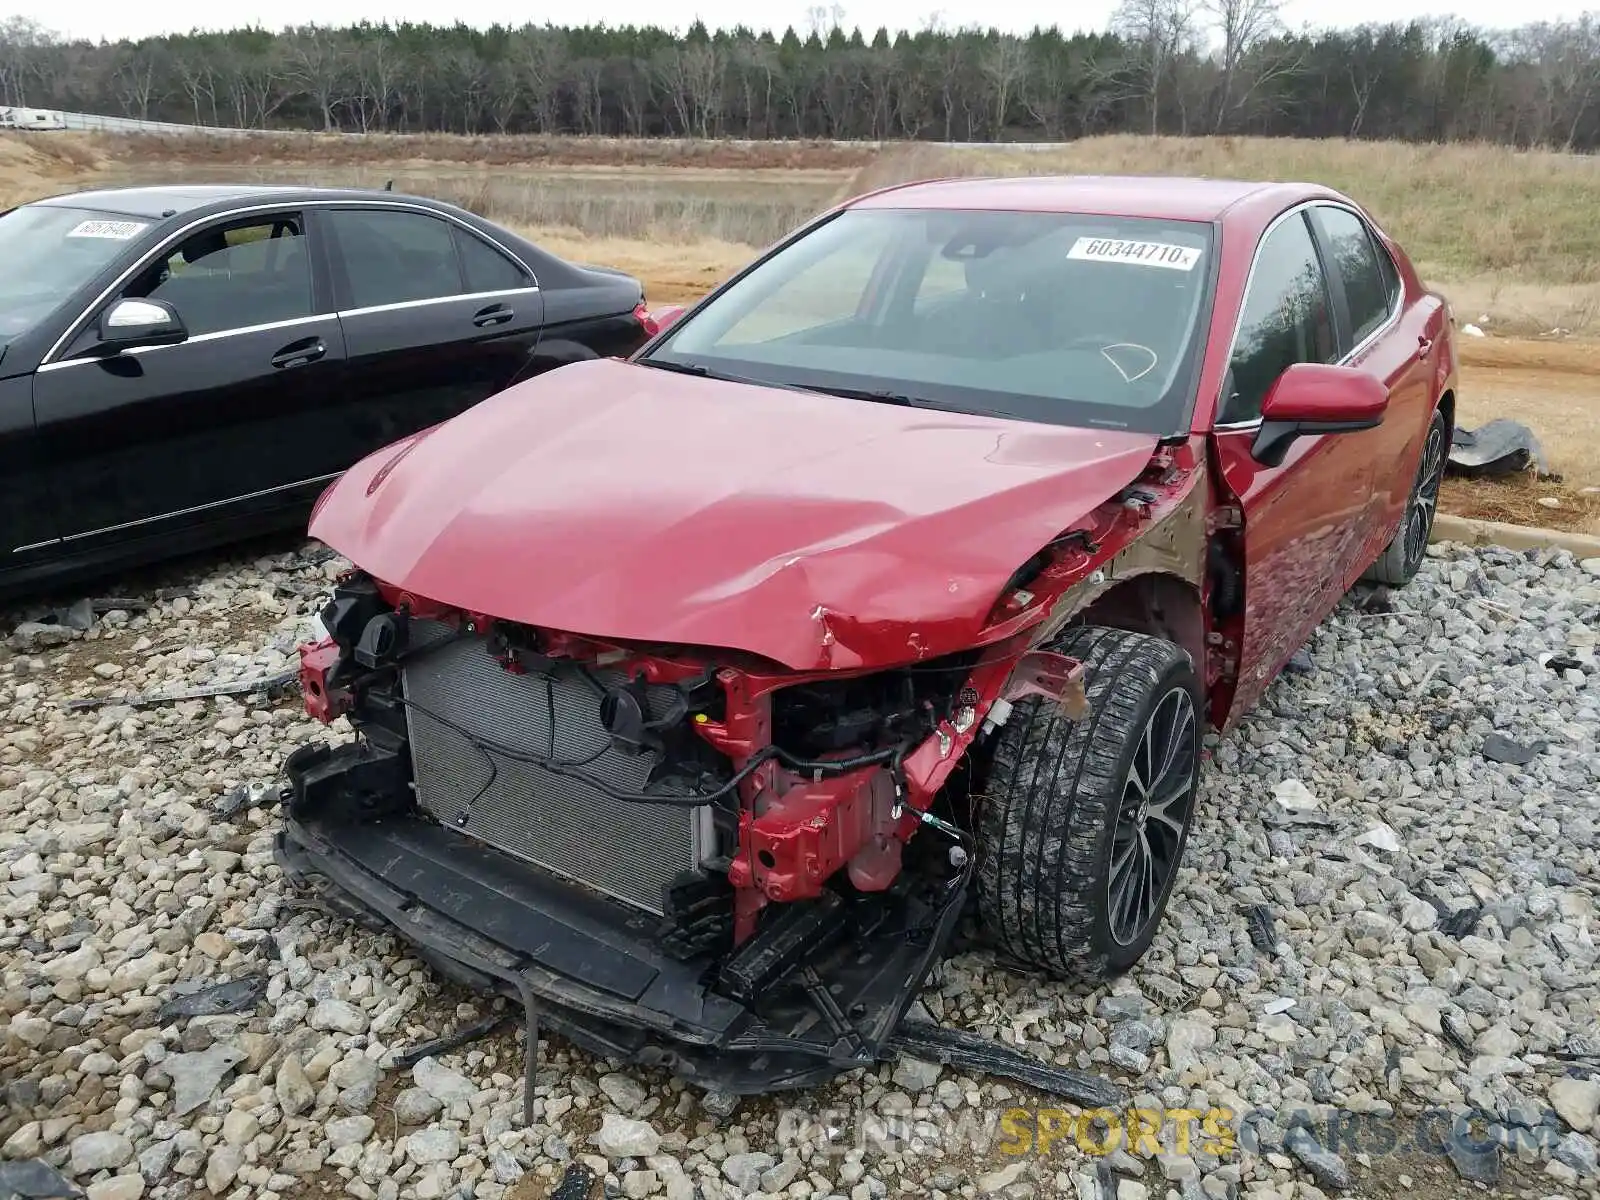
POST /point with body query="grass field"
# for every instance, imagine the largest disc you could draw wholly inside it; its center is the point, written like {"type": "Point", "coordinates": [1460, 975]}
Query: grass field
{"type": "Point", "coordinates": [1509, 236]}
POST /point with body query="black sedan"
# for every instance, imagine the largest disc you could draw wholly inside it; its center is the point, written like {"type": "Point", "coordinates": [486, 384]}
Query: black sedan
{"type": "Point", "coordinates": [183, 366]}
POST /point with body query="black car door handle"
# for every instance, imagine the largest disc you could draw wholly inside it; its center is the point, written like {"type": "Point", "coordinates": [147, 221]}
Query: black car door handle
{"type": "Point", "coordinates": [298, 354]}
{"type": "Point", "coordinates": [495, 314]}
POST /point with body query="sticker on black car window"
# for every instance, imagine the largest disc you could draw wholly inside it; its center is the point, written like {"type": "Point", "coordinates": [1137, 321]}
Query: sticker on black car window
{"type": "Point", "coordinates": [119, 231]}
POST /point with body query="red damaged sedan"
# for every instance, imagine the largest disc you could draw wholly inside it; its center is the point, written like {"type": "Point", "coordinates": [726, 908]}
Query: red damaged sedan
{"type": "Point", "coordinates": [696, 693]}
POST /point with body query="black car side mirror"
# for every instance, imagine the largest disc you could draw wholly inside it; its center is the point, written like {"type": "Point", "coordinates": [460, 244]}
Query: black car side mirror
{"type": "Point", "coordinates": [129, 323]}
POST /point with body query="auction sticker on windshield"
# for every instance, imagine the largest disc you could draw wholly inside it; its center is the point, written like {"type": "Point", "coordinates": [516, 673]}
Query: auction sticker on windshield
{"type": "Point", "coordinates": [1144, 254]}
{"type": "Point", "coordinates": [119, 231]}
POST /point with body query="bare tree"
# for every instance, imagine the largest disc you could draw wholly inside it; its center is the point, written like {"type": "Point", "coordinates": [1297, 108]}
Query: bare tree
{"type": "Point", "coordinates": [1158, 31]}
{"type": "Point", "coordinates": [1246, 27]}
{"type": "Point", "coordinates": [1004, 65]}
{"type": "Point", "coordinates": [138, 77]}
{"type": "Point", "coordinates": [317, 65]}
{"type": "Point", "coordinates": [21, 41]}
{"type": "Point", "coordinates": [376, 72]}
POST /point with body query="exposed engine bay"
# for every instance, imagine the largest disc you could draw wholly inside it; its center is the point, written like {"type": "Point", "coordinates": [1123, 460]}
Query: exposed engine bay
{"type": "Point", "coordinates": [690, 857]}
{"type": "Point", "coordinates": [751, 828]}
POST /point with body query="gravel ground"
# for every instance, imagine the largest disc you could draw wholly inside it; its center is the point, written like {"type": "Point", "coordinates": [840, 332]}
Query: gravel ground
{"type": "Point", "coordinates": [1374, 920]}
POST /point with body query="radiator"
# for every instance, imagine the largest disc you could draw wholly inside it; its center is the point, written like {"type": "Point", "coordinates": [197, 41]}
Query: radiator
{"type": "Point", "coordinates": [564, 825]}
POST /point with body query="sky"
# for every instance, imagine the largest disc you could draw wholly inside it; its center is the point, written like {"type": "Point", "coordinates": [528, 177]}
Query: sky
{"type": "Point", "coordinates": [138, 20]}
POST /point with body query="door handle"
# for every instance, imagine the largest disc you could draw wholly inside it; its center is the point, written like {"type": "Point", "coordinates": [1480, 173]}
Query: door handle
{"type": "Point", "coordinates": [298, 354]}
{"type": "Point", "coordinates": [1424, 344]}
{"type": "Point", "coordinates": [495, 314]}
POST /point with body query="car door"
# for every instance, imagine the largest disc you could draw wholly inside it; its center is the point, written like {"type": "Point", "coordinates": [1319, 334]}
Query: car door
{"type": "Point", "coordinates": [1393, 343]}
{"type": "Point", "coordinates": [28, 523]}
{"type": "Point", "coordinates": [222, 424]}
{"type": "Point", "coordinates": [435, 318]}
{"type": "Point", "coordinates": [1303, 519]}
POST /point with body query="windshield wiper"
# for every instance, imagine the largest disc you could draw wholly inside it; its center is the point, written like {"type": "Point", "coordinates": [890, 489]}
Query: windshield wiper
{"type": "Point", "coordinates": [876, 395]}
{"type": "Point", "coordinates": [681, 368]}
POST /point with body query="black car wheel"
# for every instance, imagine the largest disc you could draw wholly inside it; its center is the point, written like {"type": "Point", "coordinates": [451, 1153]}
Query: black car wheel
{"type": "Point", "coordinates": [1082, 824]}
{"type": "Point", "coordinates": [1402, 557]}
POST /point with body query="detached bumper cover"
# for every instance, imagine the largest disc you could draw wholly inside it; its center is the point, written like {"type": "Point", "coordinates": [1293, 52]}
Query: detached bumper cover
{"type": "Point", "coordinates": [590, 968]}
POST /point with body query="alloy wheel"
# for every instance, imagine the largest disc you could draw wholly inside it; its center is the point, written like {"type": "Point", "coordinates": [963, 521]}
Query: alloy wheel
{"type": "Point", "coordinates": [1157, 801]}
{"type": "Point", "coordinates": [1425, 497]}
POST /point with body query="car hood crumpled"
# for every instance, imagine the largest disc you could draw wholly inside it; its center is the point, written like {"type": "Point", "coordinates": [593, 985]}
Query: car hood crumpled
{"type": "Point", "coordinates": [631, 503]}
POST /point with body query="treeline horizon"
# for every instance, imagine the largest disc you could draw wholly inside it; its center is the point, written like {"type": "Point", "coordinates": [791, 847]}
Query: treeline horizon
{"type": "Point", "coordinates": [1183, 67]}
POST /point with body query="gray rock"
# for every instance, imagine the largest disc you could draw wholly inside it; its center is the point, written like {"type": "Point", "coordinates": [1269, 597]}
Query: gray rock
{"type": "Point", "coordinates": [1326, 1167]}
{"type": "Point", "coordinates": [354, 1071]}
{"type": "Point", "coordinates": [222, 1168]}
{"type": "Point", "coordinates": [33, 636]}
{"type": "Point", "coordinates": [349, 1131]}
{"type": "Point", "coordinates": [294, 1091]}
{"type": "Point", "coordinates": [1579, 1153]}
{"type": "Point", "coordinates": [428, 1146]}
{"type": "Point", "coordinates": [1177, 1167]}
{"type": "Point", "coordinates": [118, 1187]}
{"type": "Point", "coordinates": [1129, 1059]}
{"type": "Point", "coordinates": [155, 1160]}
{"type": "Point", "coordinates": [779, 1176]}
{"type": "Point", "coordinates": [624, 1137]}
{"type": "Point", "coordinates": [338, 1016]}
{"type": "Point", "coordinates": [1127, 1007]}
{"type": "Point", "coordinates": [443, 1084]}
{"type": "Point", "coordinates": [624, 1091]}
{"type": "Point", "coordinates": [1576, 1101]}
{"type": "Point", "coordinates": [91, 1152]}
{"type": "Point", "coordinates": [744, 1170]}
{"type": "Point", "coordinates": [416, 1107]}
{"type": "Point", "coordinates": [991, 1182]}
{"type": "Point", "coordinates": [915, 1075]}
{"type": "Point", "coordinates": [504, 1166]}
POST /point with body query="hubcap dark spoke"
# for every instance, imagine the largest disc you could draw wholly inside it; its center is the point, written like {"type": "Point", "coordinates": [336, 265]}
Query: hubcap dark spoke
{"type": "Point", "coordinates": [1157, 800]}
{"type": "Point", "coordinates": [1425, 496]}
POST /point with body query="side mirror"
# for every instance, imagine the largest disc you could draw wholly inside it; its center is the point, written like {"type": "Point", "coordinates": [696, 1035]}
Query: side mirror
{"type": "Point", "coordinates": [1314, 398]}
{"type": "Point", "coordinates": [130, 323]}
{"type": "Point", "coordinates": [667, 315]}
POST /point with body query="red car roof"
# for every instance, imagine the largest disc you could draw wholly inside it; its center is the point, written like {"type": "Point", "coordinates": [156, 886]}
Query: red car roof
{"type": "Point", "coordinates": [1162, 197]}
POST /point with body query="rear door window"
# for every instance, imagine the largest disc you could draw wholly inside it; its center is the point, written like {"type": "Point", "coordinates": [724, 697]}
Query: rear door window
{"type": "Point", "coordinates": [1358, 262]}
{"type": "Point", "coordinates": [391, 257]}
{"type": "Point", "coordinates": [486, 269]}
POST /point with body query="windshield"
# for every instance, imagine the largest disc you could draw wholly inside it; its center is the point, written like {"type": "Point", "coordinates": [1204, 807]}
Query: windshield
{"type": "Point", "coordinates": [1064, 318]}
{"type": "Point", "coordinates": [51, 252]}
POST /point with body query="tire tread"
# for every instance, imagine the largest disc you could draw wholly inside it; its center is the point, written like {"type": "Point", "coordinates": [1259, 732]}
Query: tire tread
{"type": "Point", "coordinates": [1052, 788]}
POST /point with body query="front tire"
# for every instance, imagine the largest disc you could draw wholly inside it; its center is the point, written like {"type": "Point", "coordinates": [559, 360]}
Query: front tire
{"type": "Point", "coordinates": [1082, 824]}
{"type": "Point", "coordinates": [1402, 557]}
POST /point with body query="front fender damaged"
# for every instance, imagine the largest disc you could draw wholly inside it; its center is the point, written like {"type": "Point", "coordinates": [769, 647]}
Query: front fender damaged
{"type": "Point", "coordinates": [834, 853]}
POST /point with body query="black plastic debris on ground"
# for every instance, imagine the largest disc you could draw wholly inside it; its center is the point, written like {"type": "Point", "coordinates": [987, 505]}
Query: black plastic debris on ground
{"type": "Point", "coordinates": [1495, 449]}
{"type": "Point", "coordinates": [34, 1179]}
{"type": "Point", "coordinates": [1461, 922]}
{"type": "Point", "coordinates": [234, 996]}
{"type": "Point", "coordinates": [971, 1053]}
{"type": "Point", "coordinates": [1501, 749]}
{"type": "Point", "coordinates": [576, 1184]}
{"type": "Point", "coordinates": [266, 687]}
{"type": "Point", "coordinates": [1262, 928]}
{"type": "Point", "coordinates": [1455, 1032]}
